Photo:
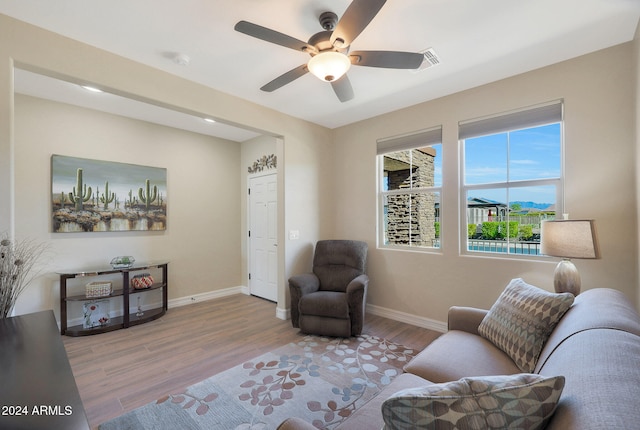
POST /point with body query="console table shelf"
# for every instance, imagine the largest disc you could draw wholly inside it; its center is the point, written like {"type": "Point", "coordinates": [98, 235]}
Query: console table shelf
{"type": "Point", "coordinates": [84, 298]}
{"type": "Point", "coordinates": [128, 318]}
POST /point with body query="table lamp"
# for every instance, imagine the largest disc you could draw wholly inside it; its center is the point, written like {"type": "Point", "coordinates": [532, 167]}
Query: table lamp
{"type": "Point", "coordinates": [568, 239]}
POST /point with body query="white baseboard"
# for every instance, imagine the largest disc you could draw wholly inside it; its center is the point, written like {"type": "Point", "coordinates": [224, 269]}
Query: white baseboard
{"type": "Point", "coordinates": [283, 314]}
{"type": "Point", "coordinates": [408, 318]}
{"type": "Point", "coordinates": [210, 295]}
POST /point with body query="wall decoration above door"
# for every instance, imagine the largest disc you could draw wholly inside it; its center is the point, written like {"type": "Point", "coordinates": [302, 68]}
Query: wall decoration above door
{"type": "Point", "coordinates": [266, 162]}
{"type": "Point", "coordinates": [96, 196]}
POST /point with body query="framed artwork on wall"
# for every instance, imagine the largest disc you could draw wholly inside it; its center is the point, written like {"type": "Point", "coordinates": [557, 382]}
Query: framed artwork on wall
{"type": "Point", "coordinates": [100, 196]}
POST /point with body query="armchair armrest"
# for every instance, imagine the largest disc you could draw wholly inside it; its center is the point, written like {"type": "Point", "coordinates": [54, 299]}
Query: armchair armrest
{"type": "Point", "coordinates": [358, 283]}
{"type": "Point", "coordinates": [299, 285]}
{"type": "Point", "coordinates": [357, 300]}
{"type": "Point", "coordinates": [465, 318]}
{"type": "Point", "coordinates": [304, 284]}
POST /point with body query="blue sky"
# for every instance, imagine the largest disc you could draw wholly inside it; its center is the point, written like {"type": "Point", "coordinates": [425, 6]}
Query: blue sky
{"type": "Point", "coordinates": [528, 154]}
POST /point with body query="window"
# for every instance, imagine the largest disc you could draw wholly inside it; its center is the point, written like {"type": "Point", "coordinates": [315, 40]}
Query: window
{"type": "Point", "coordinates": [512, 179]}
{"type": "Point", "coordinates": [410, 182]}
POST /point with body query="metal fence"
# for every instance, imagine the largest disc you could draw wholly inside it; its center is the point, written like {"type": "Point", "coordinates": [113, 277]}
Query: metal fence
{"type": "Point", "coordinates": [503, 246]}
{"type": "Point", "coordinates": [532, 219]}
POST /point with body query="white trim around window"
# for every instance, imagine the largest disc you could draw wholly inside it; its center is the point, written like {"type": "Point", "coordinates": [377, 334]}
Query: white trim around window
{"type": "Point", "coordinates": [409, 190]}
{"type": "Point", "coordinates": [496, 136]}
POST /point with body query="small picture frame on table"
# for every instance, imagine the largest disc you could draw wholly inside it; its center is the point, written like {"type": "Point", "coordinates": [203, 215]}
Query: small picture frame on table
{"type": "Point", "coordinates": [96, 314]}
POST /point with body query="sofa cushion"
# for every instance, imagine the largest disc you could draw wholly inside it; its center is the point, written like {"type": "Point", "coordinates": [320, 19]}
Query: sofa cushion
{"type": "Point", "coordinates": [522, 319]}
{"type": "Point", "coordinates": [448, 358]}
{"type": "Point", "coordinates": [491, 402]}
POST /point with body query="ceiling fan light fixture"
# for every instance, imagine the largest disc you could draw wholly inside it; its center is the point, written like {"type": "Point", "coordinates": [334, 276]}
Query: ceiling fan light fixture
{"type": "Point", "coordinates": [329, 66]}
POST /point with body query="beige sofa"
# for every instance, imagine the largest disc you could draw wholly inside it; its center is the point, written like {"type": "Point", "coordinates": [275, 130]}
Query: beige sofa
{"type": "Point", "coordinates": [595, 346]}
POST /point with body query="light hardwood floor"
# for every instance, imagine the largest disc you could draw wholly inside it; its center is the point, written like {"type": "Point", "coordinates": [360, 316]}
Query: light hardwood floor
{"type": "Point", "coordinates": [125, 369]}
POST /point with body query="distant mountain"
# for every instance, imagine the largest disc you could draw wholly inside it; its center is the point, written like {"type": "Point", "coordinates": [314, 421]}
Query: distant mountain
{"type": "Point", "coordinates": [531, 205]}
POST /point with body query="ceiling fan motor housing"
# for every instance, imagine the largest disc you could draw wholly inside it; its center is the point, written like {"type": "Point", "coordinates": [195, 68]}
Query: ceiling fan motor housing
{"type": "Point", "coordinates": [322, 41]}
{"type": "Point", "coordinates": [328, 20]}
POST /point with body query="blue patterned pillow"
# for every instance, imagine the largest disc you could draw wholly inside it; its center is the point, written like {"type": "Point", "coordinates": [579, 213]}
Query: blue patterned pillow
{"type": "Point", "coordinates": [521, 320]}
{"type": "Point", "coordinates": [522, 401]}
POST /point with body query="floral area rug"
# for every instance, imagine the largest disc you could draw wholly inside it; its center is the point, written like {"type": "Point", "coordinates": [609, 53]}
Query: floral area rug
{"type": "Point", "coordinates": [322, 380]}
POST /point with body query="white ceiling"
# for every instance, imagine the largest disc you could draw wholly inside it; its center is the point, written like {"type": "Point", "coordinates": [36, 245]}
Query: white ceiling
{"type": "Point", "coordinates": [477, 41]}
{"type": "Point", "coordinates": [37, 85]}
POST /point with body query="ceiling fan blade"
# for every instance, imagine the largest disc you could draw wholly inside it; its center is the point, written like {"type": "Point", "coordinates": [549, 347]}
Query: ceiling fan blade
{"type": "Point", "coordinates": [387, 59]}
{"type": "Point", "coordinates": [355, 19]}
{"type": "Point", "coordinates": [273, 36]}
{"type": "Point", "coordinates": [343, 89]}
{"type": "Point", "coordinates": [285, 78]}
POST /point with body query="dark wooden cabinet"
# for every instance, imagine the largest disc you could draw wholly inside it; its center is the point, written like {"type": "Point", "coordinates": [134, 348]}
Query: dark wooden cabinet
{"type": "Point", "coordinates": [38, 388]}
{"type": "Point", "coordinates": [127, 319]}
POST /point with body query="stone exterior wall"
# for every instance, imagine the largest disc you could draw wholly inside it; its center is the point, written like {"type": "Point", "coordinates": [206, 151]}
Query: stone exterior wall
{"type": "Point", "coordinates": [411, 218]}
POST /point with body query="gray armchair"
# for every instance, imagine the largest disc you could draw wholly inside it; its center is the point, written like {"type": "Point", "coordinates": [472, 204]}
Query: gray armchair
{"type": "Point", "coordinates": [331, 300]}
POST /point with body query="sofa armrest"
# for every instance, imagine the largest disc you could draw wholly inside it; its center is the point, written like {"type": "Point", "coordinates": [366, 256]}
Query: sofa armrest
{"type": "Point", "coordinates": [295, 424]}
{"type": "Point", "coordinates": [465, 318]}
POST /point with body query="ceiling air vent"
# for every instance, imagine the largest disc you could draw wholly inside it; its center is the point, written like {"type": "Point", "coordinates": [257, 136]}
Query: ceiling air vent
{"type": "Point", "coordinates": [430, 59]}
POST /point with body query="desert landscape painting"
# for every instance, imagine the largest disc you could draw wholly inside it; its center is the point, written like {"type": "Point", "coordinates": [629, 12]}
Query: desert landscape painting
{"type": "Point", "coordinates": [101, 196]}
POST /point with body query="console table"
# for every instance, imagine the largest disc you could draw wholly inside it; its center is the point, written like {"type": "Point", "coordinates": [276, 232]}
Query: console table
{"type": "Point", "coordinates": [38, 388]}
{"type": "Point", "coordinates": [128, 318]}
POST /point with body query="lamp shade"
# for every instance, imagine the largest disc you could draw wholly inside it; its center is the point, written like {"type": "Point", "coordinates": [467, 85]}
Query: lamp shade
{"type": "Point", "coordinates": [569, 239]}
{"type": "Point", "coordinates": [329, 66]}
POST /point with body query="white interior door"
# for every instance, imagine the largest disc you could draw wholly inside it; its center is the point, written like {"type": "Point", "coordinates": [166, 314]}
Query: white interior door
{"type": "Point", "coordinates": [263, 224]}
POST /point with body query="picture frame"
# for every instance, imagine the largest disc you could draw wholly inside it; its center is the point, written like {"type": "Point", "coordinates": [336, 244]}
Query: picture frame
{"type": "Point", "coordinates": [96, 314]}
{"type": "Point", "coordinates": [101, 196]}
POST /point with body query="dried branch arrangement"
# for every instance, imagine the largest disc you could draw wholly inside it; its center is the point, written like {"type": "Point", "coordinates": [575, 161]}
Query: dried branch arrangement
{"type": "Point", "coordinates": [17, 263]}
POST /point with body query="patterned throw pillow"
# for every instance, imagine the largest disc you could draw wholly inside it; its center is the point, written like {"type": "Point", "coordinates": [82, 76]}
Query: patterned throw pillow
{"type": "Point", "coordinates": [521, 320]}
{"type": "Point", "coordinates": [522, 401]}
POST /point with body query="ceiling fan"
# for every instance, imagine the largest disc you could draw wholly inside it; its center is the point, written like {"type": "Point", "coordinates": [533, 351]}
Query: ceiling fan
{"type": "Point", "coordinates": [329, 49]}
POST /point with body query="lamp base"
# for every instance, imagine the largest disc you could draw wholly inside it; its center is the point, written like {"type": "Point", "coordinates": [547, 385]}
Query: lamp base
{"type": "Point", "coordinates": [566, 278]}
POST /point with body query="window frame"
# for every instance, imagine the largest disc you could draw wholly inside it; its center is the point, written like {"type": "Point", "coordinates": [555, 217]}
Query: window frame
{"type": "Point", "coordinates": [505, 123]}
{"type": "Point", "coordinates": [415, 140]}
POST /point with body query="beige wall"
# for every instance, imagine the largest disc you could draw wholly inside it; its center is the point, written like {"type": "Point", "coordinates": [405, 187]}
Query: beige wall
{"type": "Point", "coordinates": [304, 153]}
{"type": "Point", "coordinates": [600, 173]}
{"type": "Point", "coordinates": [201, 240]}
